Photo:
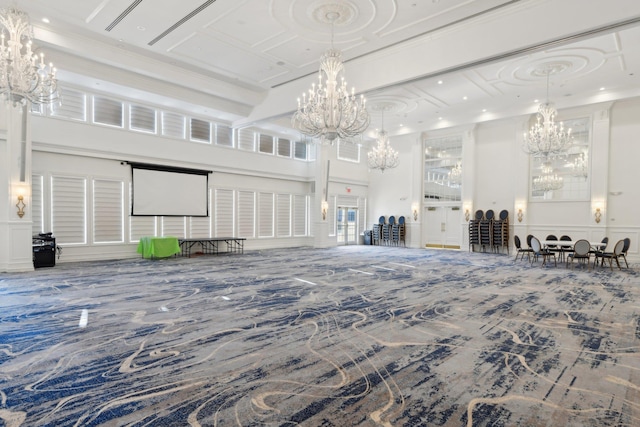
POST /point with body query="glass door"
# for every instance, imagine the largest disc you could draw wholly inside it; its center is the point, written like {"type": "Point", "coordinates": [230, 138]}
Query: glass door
{"type": "Point", "coordinates": [347, 226]}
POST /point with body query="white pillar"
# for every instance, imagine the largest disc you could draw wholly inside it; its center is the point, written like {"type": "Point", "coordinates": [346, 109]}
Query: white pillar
{"type": "Point", "coordinates": [16, 253]}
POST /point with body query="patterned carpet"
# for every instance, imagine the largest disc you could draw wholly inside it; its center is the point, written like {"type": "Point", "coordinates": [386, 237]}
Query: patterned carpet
{"type": "Point", "coordinates": [349, 336]}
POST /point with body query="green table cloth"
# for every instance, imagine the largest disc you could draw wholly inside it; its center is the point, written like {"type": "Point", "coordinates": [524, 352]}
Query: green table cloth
{"type": "Point", "coordinates": [158, 247]}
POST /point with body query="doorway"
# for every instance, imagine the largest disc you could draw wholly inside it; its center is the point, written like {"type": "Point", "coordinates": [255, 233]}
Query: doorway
{"type": "Point", "coordinates": [347, 226]}
{"type": "Point", "coordinates": [443, 227]}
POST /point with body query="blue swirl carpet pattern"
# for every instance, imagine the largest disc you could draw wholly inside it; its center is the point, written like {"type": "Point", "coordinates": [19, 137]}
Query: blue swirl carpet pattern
{"type": "Point", "coordinates": [349, 336]}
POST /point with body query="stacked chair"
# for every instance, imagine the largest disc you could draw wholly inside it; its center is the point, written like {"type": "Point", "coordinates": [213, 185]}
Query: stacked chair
{"type": "Point", "coordinates": [391, 233]}
{"type": "Point", "coordinates": [488, 233]}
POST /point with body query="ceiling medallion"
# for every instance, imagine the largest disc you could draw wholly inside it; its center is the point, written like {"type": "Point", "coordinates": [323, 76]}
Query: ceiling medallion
{"type": "Point", "coordinates": [337, 14]}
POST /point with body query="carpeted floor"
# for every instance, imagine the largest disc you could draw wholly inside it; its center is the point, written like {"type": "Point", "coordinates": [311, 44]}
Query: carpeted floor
{"type": "Point", "coordinates": [349, 336]}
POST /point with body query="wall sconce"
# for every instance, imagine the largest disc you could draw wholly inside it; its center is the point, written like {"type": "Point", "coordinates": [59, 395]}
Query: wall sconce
{"type": "Point", "coordinates": [520, 213]}
{"type": "Point", "coordinates": [467, 214]}
{"type": "Point", "coordinates": [325, 208]}
{"type": "Point", "coordinates": [20, 205]}
{"type": "Point", "coordinates": [414, 208]}
{"type": "Point", "coordinates": [598, 215]}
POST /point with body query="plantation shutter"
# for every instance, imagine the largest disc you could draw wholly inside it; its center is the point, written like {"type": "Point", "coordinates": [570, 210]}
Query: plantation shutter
{"type": "Point", "coordinates": [37, 204]}
{"type": "Point", "coordinates": [107, 111]}
{"type": "Point", "coordinates": [72, 105]}
{"type": "Point", "coordinates": [200, 130]}
{"type": "Point", "coordinates": [284, 147]}
{"type": "Point", "coordinates": [68, 209]}
{"type": "Point", "coordinates": [299, 215]}
{"type": "Point", "coordinates": [266, 144]}
{"type": "Point", "coordinates": [108, 211]}
{"type": "Point", "coordinates": [283, 215]}
{"type": "Point", "coordinates": [265, 215]}
{"type": "Point", "coordinates": [362, 214]}
{"type": "Point", "coordinates": [224, 136]}
{"type": "Point", "coordinates": [331, 215]}
{"type": "Point", "coordinates": [246, 214]}
{"type": "Point", "coordinates": [246, 139]}
{"type": "Point", "coordinates": [348, 151]}
{"type": "Point", "coordinates": [142, 119]}
{"type": "Point", "coordinates": [200, 226]}
{"type": "Point", "coordinates": [224, 213]}
{"type": "Point", "coordinates": [173, 125]}
{"type": "Point", "coordinates": [300, 150]}
{"type": "Point", "coordinates": [174, 226]}
{"type": "Point", "coordinates": [141, 226]}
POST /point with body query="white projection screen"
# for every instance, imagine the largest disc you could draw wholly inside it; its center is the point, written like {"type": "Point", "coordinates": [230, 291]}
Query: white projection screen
{"type": "Point", "coordinates": [166, 191]}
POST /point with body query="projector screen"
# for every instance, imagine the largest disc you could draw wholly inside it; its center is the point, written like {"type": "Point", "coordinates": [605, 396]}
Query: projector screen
{"type": "Point", "coordinates": [166, 191]}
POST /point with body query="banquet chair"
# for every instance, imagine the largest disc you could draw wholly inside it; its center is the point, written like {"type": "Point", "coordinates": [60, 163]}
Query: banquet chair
{"type": "Point", "coordinates": [625, 249]}
{"type": "Point", "coordinates": [581, 252]}
{"type": "Point", "coordinates": [538, 250]}
{"type": "Point", "coordinates": [554, 248]}
{"type": "Point", "coordinates": [611, 256]}
{"type": "Point", "coordinates": [566, 250]}
{"type": "Point", "coordinates": [520, 250]}
{"type": "Point", "coordinates": [605, 241]}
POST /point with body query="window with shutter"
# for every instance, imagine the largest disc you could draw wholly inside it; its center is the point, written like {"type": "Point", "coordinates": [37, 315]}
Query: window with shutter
{"type": "Point", "coordinates": [173, 125]}
{"type": "Point", "coordinates": [300, 210]}
{"type": "Point", "coordinates": [246, 139]}
{"type": "Point", "coordinates": [300, 150]}
{"type": "Point", "coordinates": [349, 151]}
{"type": "Point", "coordinates": [224, 136]}
{"type": "Point", "coordinates": [265, 215]}
{"type": "Point", "coordinates": [266, 144]}
{"type": "Point", "coordinates": [108, 211]}
{"type": "Point", "coordinates": [283, 215]}
{"type": "Point", "coordinates": [224, 203]}
{"type": "Point", "coordinates": [142, 119]}
{"type": "Point", "coordinates": [246, 214]}
{"type": "Point", "coordinates": [68, 209]}
{"type": "Point", "coordinates": [331, 215]}
{"type": "Point", "coordinates": [107, 111]}
{"type": "Point", "coordinates": [174, 226]}
{"type": "Point", "coordinates": [284, 147]}
{"type": "Point", "coordinates": [362, 213]}
{"type": "Point", "coordinates": [37, 204]}
{"type": "Point", "coordinates": [72, 105]}
{"type": "Point", "coordinates": [200, 130]}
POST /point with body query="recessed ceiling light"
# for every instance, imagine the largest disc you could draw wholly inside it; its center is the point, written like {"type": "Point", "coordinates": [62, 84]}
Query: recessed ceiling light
{"type": "Point", "coordinates": [484, 110]}
{"type": "Point", "coordinates": [464, 98]}
{"type": "Point", "coordinates": [45, 20]}
{"type": "Point", "coordinates": [141, 28]}
{"type": "Point", "coordinates": [535, 101]}
{"type": "Point", "coordinates": [440, 82]}
{"type": "Point", "coordinates": [601, 88]}
{"type": "Point", "coordinates": [439, 118]}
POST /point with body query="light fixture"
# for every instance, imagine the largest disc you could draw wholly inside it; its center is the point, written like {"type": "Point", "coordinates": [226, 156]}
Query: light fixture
{"type": "Point", "coordinates": [547, 139]}
{"type": "Point", "coordinates": [24, 76]}
{"type": "Point", "coordinates": [382, 156]}
{"type": "Point", "coordinates": [329, 111]}
{"type": "Point", "coordinates": [325, 209]}
{"type": "Point", "coordinates": [520, 214]}
{"type": "Point", "coordinates": [598, 215]}
{"type": "Point", "coordinates": [414, 208]}
{"type": "Point", "coordinates": [547, 180]}
{"type": "Point", "coordinates": [455, 175]}
{"type": "Point", "coordinates": [580, 166]}
{"type": "Point", "coordinates": [467, 214]}
{"type": "Point", "coordinates": [20, 205]}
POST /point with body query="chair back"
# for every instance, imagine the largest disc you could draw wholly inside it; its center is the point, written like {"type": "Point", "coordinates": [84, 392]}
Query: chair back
{"type": "Point", "coordinates": [605, 240]}
{"type": "Point", "coordinates": [529, 237]}
{"type": "Point", "coordinates": [627, 243]}
{"type": "Point", "coordinates": [581, 247]}
{"type": "Point", "coordinates": [565, 238]}
{"type": "Point", "coordinates": [516, 240]}
{"type": "Point", "coordinates": [617, 249]}
{"type": "Point", "coordinates": [551, 237]}
{"type": "Point", "coordinates": [535, 245]}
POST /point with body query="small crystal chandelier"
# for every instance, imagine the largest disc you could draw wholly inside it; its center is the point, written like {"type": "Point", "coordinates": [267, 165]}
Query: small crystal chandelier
{"type": "Point", "coordinates": [24, 76]}
{"type": "Point", "coordinates": [455, 175]}
{"type": "Point", "coordinates": [546, 139]}
{"type": "Point", "coordinates": [547, 180]}
{"type": "Point", "coordinates": [580, 166]}
{"type": "Point", "coordinates": [382, 156]}
{"type": "Point", "coordinates": [329, 111]}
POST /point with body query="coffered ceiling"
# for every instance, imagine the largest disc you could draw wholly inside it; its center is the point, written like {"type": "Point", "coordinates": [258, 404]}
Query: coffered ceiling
{"type": "Point", "coordinates": [429, 64]}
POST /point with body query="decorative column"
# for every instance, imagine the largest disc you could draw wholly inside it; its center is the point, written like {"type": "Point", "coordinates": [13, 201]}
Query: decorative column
{"type": "Point", "coordinates": [16, 253]}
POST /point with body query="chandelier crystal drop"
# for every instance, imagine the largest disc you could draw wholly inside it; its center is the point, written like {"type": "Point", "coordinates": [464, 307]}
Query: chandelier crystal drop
{"type": "Point", "coordinates": [547, 180]}
{"type": "Point", "coordinates": [329, 110]}
{"type": "Point", "coordinates": [547, 139]}
{"type": "Point", "coordinates": [24, 76]}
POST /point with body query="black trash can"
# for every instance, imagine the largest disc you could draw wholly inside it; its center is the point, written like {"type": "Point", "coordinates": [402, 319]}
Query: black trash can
{"type": "Point", "coordinates": [367, 237]}
{"type": "Point", "coordinates": [44, 250]}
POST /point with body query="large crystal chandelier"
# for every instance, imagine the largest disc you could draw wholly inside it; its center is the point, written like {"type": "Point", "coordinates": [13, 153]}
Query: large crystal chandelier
{"type": "Point", "coordinates": [24, 76]}
{"type": "Point", "coordinates": [329, 110]}
{"type": "Point", "coordinates": [547, 139]}
{"type": "Point", "coordinates": [547, 180]}
{"type": "Point", "coordinates": [382, 156]}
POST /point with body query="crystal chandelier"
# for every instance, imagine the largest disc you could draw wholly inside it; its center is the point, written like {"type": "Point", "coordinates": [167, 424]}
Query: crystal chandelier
{"type": "Point", "coordinates": [547, 180]}
{"type": "Point", "coordinates": [382, 156]}
{"type": "Point", "coordinates": [329, 110]}
{"type": "Point", "coordinates": [24, 76]}
{"type": "Point", "coordinates": [580, 166]}
{"type": "Point", "coordinates": [455, 175]}
{"type": "Point", "coordinates": [547, 139]}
